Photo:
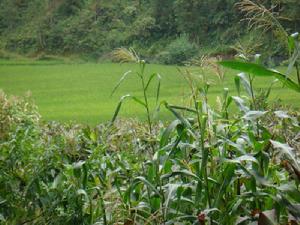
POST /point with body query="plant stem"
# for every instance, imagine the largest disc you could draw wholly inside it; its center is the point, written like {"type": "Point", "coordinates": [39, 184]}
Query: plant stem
{"type": "Point", "coordinates": [203, 170]}
{"type": "Point", "coordinates": [147, 106]}
{"type": "Point", "coordinates": [141, 75]}
{"type": "Point", "coordinates": [142, 68]}
{"type": "Point", "coordinates": [103, 208]}
{"type": "Point", "coordinates": [298, 72]}
{"type": "Point", "coordinates": [206, 150]}
{"type": "Point", "coordinates": [252, 91]}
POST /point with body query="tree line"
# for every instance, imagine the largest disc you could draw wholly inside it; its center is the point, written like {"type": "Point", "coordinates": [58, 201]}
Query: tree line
{"type": "Point", "coordinates": [154, 28]}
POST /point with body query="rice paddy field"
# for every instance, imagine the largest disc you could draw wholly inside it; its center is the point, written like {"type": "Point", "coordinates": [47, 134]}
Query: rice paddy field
{"type": "Point", "coordinates": [82, 92]}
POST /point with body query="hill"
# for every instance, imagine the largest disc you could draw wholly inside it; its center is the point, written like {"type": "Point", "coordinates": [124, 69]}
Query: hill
{"type": "Point", "coordinates": [165, 31]}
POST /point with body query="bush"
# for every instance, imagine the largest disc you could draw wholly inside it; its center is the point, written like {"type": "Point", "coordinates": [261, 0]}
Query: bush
{"type": "Point", "coordinates": [5, 55]}
{"type": "Point", "coordinates": [22, 44]}
{"type": "Point", "coordinates": [178, 51]}
{"type": "Point", "coordinates": [15, 112]}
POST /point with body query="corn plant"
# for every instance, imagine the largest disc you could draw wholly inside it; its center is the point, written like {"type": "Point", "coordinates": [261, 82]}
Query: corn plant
{"type": "Point", "coordinates": [212, 168]}
{"type": "Point", "coordinates": [125, 55]}
{"type": "Point", "coordinates": [208, 166]}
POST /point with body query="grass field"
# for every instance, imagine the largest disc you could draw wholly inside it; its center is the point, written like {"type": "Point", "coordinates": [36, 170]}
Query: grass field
{"type": "Point", "coordinates": [81, 92]}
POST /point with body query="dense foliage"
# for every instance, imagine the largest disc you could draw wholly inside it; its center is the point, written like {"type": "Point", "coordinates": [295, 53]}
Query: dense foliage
{"type": "Point", "coordinates": [208, 166]}
{"type": "Point", "coordinates": [153, 27]}
{"type": "Point", "coordinates": [237, 163]}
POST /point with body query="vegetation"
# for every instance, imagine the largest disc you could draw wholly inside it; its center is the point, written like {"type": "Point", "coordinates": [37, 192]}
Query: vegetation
{"type": "Point", "coordinates": [230, 153]}
{"type": "Point", "coordinates": [161, 30]}
{"type": "Point", "coordinates": [81, 92]}
{"type": "Point", "coordinates": [208, 166]}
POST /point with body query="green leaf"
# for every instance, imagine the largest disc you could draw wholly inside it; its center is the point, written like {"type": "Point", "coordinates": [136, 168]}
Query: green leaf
{"type": "Point", "coordinates": [290, 190]}
{"type": "Point", "coordinates": [167, 132]}
{"type": "Point", "coordinates": [225, 180]}
{"type": "Point", "coordinates": [149, 80]}
{"type": "Point", "coordinates": [270, 88]}
{"type": "Point", "coordinates": [78, 165]}
{"type": "Point", "coordinates": [245, 82]}
{"type": "Point", "coordinates": [259, 70]}
{"type": "Point", "coordinates": [282, 114]}
{"type": "Point", "coordinates": [2, 219]}
{"type": "Point", "coordinates": [237, 82]}
{"type": "Point", "coordinates": [172, 188]}
{"type": "Point", "coordinates": [247, 67]}
{"type": "Point", "coordinates": [291, 44]}
{"type": "Point", "coordinates": [158, 88]}
{"type": "Point", "coordinates": [77, 168]}
{"type": "Point", "coordinates": [183, 120]}
{"type": "Point", "coordinates": [83, 193]}
{"type": "Point", "coordinates": [155, 203]}
{"type": "Point", "coordinates": [235, 207]}
{"type": "Point", "coordinates": [287, 81]}
{"type": "Point", "coordinates": [293, 59]}
{"type": "Point", "coordinates": [183, 108]}
{"type": "Point", "coordinates": [181, 172]}
{"type": "Point", "coordinates": [118, 108]}
{"type": "Point", "coordinates": [286, 150]}
{"type": "Point", "coordinates": [146, 182]}
{"type": "Point", "coordinates": [254, 115]}
{"type": "Point", "coordinates": [240, 159]}
{"type": "Point", "coordinates": [138, 101]}
{"type": "Point", "coordinates": [57, 181]}
{"type": "Point", "coordinates": [294, 209]}
{"type": "Point", "coordinates": [120, 82]}
{"type": "Point", "coordinates": [240, 103]}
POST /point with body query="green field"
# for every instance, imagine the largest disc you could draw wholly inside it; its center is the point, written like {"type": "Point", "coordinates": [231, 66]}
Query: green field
{"type": "Point", "coordinates": [81, 92]}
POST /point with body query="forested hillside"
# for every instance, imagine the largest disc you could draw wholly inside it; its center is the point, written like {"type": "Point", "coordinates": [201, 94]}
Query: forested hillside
{"type": "Point", "coordinates": [165, 31]}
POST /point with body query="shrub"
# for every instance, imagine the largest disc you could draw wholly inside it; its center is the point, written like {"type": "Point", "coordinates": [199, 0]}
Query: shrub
{"type": "Point", "coordinates": [15, 112]}
{"type": "Point", "coordinates": [178, 51]}
{"type": "Point", "coordinates": [22, 44]}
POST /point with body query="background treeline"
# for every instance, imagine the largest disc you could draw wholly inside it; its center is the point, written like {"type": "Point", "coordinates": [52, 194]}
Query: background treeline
{"type": "Point", "coordinates": [165, 31]}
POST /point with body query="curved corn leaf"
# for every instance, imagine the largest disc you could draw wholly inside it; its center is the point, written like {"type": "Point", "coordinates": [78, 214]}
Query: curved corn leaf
{"type": "Point", "coordinates": [254, 115]}
{"type": "Point", "coordinates": [146, 182]}
{"type": "Point", "coordinates": [120, 82]}
{"type": "Point", "coordinates": [247, 67]}
{"type": "Point", "coordinates": [137, 100]}
{"type": "Point", "coordinates": [241, 159]}
{"type": "Point", "coordinates": [245, 81]}
{"type": "Point", "coordinates": [178, 116]}
{"type": "Point", "coordinates": [158, 88]}
{"type": "Point", "coordinates": [259, 70]}
{"type": "Point", "coordinates": [149, 80]}
{"type": "Point", "coordinates": [118, 108]}
{"type": "Point", "coordinates": [167, 132]}
{"type": "Point", "coordinates": [240, 103]}
{"type": "Point", "coordinates": [183, 108]}
{"type": "Point", "coordinates": [172, 188]}
{"type": "Point", "coordinates": [181, 172]}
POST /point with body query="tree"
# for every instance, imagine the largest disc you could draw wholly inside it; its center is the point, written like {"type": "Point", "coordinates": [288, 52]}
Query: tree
{"type": "Point", "coordinates": [70, 7]}
{"type": "Point", "coordinates": [165, 19]}
{"type": "Point", "coordinates": [191, 18]}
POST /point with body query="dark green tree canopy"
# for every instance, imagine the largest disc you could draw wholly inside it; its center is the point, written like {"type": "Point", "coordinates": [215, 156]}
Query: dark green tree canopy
{"type": "Point", "coordinates": [95, 27]}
